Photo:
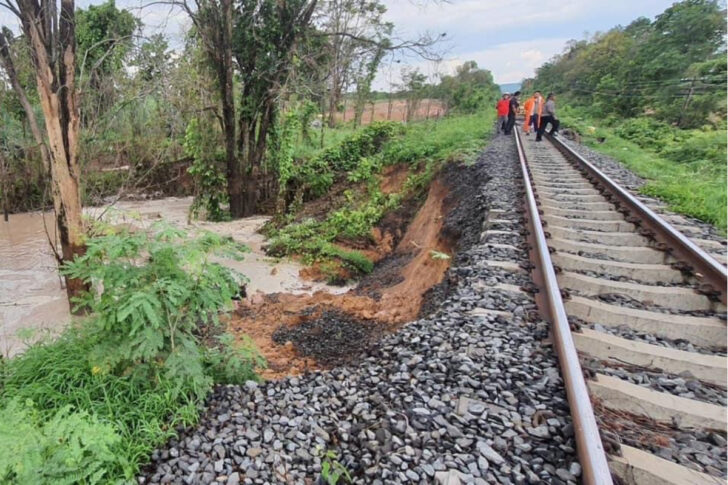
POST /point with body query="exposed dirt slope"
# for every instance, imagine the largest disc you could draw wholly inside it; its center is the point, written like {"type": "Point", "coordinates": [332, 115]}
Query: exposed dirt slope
{"type": "Point", "coordinates": [296, 333]}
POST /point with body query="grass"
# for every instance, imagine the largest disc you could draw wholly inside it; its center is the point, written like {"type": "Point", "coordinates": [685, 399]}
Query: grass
{"type": "Point", "coordinates": [687, 169]}
{"type": "Point", "coordinates": [91, 406]}
{"type": "Point", "coordinates": [455, 137]}
{"type": "Point", "coordinates": [143, 407]}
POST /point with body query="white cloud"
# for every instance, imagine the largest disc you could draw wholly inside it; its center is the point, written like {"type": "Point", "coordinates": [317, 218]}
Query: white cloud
{"type": "Point", "coordinates": [472, 16]}
{"type": "Point", "coordinates": [509, 62]}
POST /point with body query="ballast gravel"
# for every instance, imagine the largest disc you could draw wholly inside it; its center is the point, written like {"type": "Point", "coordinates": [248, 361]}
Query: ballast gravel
{"type": "Point", "coordinates": [462, 396]}
{"type": "Point", "coordinates": [631, 334]}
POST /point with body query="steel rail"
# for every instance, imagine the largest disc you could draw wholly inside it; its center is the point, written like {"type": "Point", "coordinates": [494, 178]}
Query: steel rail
{"type": "Point", "coordinates": [706, 267]}
{"type": "Point", "coordinates": [595, 469]}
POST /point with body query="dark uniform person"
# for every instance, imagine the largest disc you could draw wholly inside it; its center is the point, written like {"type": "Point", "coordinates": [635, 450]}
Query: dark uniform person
{"type": "Point", "coordinates": [512, 111]}
{"type": "Point", "coordinates": [548, 116]}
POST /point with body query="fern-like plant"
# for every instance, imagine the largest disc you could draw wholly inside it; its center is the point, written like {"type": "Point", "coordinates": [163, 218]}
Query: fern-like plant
{"type": "Point", "coordinates": [70, 448]}
{"type": "Point", "coordinates": [153, 294]}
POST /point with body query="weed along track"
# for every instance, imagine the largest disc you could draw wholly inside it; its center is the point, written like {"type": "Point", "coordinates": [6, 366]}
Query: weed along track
{"type": "Point", "coordinates": [647, 307]}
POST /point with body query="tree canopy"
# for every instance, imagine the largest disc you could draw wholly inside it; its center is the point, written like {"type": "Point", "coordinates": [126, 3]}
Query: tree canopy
{"type": "Point", "coordinates": [673, 67]}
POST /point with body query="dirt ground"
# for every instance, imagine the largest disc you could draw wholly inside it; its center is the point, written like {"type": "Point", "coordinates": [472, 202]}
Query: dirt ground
{"type": "Point", "coordinates": [413, 248]}
{"type": "Point", "coordinates": [428, 109]}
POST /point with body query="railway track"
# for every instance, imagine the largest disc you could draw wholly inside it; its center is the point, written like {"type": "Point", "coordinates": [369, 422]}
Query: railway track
{"type": "Point", "coordinates": [638, 308]}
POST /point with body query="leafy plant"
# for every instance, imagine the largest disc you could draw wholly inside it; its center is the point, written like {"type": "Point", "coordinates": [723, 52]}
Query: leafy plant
{"type": "Point", "coordinates": [143, 405]}
{"type": "Point", "coordinates": [201, 145]}
{"type": "Point", "coordinates": [332, 471]}
{"type": "Point", "coordinates": [316, 174]}
{"type": "Point", "coordinates": [153, 292]}
{"type": "Point", "coordinates": [69, 448]}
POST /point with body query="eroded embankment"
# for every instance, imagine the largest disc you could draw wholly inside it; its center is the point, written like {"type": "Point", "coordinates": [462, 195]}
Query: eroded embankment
{"type": "Point", "coordinates": [296, 333]}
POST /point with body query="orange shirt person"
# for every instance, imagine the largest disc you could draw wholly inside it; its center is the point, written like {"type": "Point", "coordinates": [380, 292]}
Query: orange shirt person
{"type": "Point", "coordinates": [528, 109]}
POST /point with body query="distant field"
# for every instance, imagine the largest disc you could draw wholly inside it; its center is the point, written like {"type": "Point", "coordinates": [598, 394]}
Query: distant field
{"type": "Point", "coordinates": [429, 108]}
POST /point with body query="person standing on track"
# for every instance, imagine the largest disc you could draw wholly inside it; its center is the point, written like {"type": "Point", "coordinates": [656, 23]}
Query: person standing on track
{"type": "Point", "coordinates": [536, 112]}
{"type": "Point", "coordinates": [549, 116]}
{"type": "Point", "coordinates": [502, 110]}
{"type": "Point", "coordinates": [528, 110]}
{"type": "Point", "coordinates": [512, 111]}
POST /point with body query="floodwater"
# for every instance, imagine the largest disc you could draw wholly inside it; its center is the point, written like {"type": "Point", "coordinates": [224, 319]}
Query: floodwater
{"type": "Point", "coordinates": [33, 302]}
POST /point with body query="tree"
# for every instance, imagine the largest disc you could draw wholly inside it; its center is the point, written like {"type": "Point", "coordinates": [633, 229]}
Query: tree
{"type": "Point", "coordinates": [153, 59]}
{"type": "Point", "coordinates": [50, 31]}
{"type": "Point", "coordinates": [8, 64]}
{"type": "Point", "coordinates": [364, 79]}
{"type": "Point", "coordinates": [104, 36]}
{"type": "Point", "coordinates": [356, 31]}
{"type": "Point", "coordinates": [469, 90]}
{"type": "Point", "coordinates": [213, 21]}
{"type": "Point", "coordinates": [413, 86]}
{"type": "Point", "coordinates": [671, 68]}
{"type": "Point", "coordinates": [265, 37]}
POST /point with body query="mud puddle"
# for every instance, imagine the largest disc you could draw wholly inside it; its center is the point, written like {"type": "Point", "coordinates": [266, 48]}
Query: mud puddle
{"type": "Point", "coordinates": [414, 248]}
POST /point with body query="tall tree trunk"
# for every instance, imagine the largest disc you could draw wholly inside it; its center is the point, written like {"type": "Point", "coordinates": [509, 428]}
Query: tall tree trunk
{"type": "Point", "coordinates": [225, 81]}
{"type": "Point", "coordinates": [54, 54]}
{"type": "Point", "coordinates": [4, 175]}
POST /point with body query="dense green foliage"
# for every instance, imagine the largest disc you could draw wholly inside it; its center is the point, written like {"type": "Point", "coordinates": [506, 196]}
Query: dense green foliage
{"type": "Point", "coordinates": [653, 95]}
{"type": "Point", "coordinates": [672, 68]}
{"type": "Point", "coordinates": [69, 448]}
{"type": "Point", "coordinates": [100, 398]}
{"type": "Point", "coordinates": [159, 290]}
{"type": "Point", "coordinates": [471, 89]}
{"type": "Point", "coordinates": [315, 175]}
{"type": "Point", "coordinates": [685, 168]}
{"type": "Point", "coordinates": [207, 168]}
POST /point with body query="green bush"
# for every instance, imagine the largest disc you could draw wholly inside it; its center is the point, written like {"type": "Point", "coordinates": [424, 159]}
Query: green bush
{"type": "Point", "coordinates": [363, 143]}
{"type": "Point", "coordinates": [699, 147]}
{"type": "Point", "coordinates": [207, 170]}
{"type": "Point", "coordinates": [317, 174]}
{"type": "Point", "coordinates": [152, 292]}
{"type": "Point", "coordinates": [104, 395]}
{"type": "Point", "coordinates": [648, 133]}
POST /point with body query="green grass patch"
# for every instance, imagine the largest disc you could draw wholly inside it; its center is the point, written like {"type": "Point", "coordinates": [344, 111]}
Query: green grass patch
{"type": "Point", "coordinates": [684, 168]}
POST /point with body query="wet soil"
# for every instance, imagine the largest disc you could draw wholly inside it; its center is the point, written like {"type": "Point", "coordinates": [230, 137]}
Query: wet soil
{"type": "Point", "coordinates": [298, 333]}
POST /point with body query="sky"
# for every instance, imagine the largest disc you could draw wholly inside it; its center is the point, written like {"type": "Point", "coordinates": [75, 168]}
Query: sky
{"type": "Point", "coordinates": [510, 38]}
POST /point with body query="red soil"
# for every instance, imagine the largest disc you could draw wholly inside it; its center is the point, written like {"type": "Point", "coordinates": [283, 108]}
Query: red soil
{"type": "Point", "coordinates": [390, 296]}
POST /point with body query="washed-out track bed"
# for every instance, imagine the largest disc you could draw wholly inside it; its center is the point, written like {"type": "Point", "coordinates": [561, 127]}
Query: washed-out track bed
{"type": "Point", "coordinates": [649, 333]}
{"type": "Point", "coordinates": [470, 393]}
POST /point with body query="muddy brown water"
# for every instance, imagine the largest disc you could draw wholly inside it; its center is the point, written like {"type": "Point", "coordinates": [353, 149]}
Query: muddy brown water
{"type": "Point", "coordinates": [33, 302]}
